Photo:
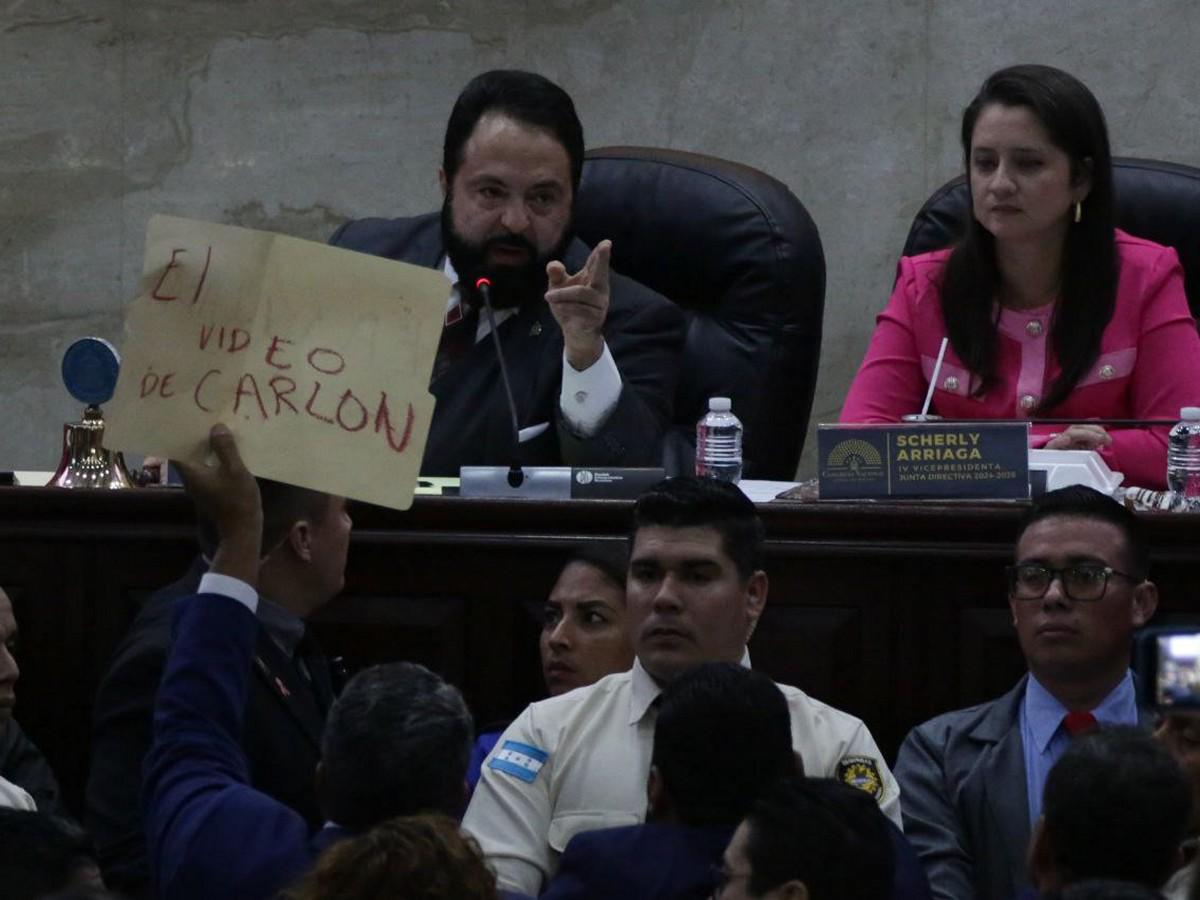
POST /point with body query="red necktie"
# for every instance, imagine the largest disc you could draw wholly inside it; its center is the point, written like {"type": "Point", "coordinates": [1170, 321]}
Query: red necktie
{"type": "Point", "coordinates": [1079, 722]}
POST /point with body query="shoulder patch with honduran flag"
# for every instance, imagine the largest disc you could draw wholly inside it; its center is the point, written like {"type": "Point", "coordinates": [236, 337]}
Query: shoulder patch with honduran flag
{"type": "Point", "coordinates": [519, 760]}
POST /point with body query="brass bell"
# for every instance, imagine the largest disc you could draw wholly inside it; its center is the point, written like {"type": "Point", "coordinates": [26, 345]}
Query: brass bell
{"type": "Point", "coordinates": [85, 463]}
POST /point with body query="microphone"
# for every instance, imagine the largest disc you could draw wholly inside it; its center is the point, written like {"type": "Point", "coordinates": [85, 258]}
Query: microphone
{"type": "Point", "coordinates": [516, 476]}
{"type": "Point", "coordinates": [542, 482]}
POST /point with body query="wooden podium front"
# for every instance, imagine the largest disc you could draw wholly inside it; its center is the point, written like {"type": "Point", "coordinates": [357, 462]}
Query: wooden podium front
{"type": "Point", "coordinates": [891, 611]}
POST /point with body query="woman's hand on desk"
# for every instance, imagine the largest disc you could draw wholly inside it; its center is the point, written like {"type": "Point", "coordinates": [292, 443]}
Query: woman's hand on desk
{"type": "Point", "coordinates": [1079, 437]}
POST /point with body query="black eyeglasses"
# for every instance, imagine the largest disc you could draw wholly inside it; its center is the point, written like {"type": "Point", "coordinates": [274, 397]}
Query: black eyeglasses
{"type": "Point", "coordinates": [1082, 581]}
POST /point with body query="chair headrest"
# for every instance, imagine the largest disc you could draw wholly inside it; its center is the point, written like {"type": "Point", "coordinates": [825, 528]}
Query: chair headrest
{"type": "Point", "coordinates": [712, 235]}
{"type": "Point", "coordinates": [739, 253]}
{"type": "Point", "coordinates": [1158, 201]}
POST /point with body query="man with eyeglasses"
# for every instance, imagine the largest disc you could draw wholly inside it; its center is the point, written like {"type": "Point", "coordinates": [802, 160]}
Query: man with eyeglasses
{"type": "Point", "coordinates": [972, 779]}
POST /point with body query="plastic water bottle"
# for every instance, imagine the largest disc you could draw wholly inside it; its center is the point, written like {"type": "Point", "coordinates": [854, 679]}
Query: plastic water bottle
{"type": "Point", "coordinates": [1183, 459]}
{"type": "Point", "coordinates": [719, 442]}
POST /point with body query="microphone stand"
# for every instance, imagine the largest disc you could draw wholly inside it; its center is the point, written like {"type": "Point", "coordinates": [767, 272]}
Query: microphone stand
{"type": "Point", "coordinates": [516, 476]}
{"type": "Point", "coordinates": [541, 482]}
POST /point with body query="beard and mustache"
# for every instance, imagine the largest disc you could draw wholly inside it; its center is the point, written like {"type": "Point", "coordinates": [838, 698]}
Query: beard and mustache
{"type": "Point", "coordinates": [512, 285]}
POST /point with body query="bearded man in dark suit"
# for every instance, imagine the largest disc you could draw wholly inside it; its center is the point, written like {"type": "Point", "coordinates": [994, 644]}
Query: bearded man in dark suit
{"type": "Point", "coordinates": [592, 355]}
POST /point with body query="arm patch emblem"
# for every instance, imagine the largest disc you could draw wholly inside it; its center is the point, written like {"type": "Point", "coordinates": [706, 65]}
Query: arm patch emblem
{"type": "Point", "coordinates": [519, 760]}
{"type": "Point", "coordinates": [861, 772]}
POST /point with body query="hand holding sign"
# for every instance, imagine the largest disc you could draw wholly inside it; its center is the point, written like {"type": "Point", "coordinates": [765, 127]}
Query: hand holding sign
{"type": "Point", "coordinates": [317, 357]}
{"type": "Point", "coordinates": [227, 495]}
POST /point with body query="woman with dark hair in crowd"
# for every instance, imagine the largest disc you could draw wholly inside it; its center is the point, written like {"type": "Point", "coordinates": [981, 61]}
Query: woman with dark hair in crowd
{"type": "Point", "coordinates": [409, 858]}
{"type": "Point", "coordinates": [585, 635]}
{"type": "Point", "coordinates": [1049, 310]}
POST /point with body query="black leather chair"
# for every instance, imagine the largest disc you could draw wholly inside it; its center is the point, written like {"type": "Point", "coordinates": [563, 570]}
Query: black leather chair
{"type": "Point", "coordinates": [1158, 201]}
{"type": "Point", "coordinates": [739, 253]}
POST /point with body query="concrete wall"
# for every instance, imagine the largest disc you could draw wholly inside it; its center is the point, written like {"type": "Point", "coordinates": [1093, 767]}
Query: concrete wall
{"type": "Point", "coordinates": [293, 115]}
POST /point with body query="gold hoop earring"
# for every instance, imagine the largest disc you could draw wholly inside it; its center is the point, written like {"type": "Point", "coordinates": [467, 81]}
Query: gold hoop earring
{"type": "Point", "coordinates": [1078, 211]}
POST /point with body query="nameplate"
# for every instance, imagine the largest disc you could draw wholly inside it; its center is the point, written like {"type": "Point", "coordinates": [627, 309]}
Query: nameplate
{"type": "Point", "coordinates": [613, 483]}
{"type": "Point", "coordinates": [924, 461]}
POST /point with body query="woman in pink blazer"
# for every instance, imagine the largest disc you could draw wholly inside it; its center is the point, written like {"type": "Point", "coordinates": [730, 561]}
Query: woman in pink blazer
{"type": "Point", "coordinates": [1050, 311]}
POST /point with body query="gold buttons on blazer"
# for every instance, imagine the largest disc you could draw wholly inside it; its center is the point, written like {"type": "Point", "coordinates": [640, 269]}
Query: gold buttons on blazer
{"type": "Point", "coordinates": [1107, 371]}
{"type": "Point", "coordinates": [1028, 401]}
{"type": "Point", "coordinates": [950, 384]}
{"type": "Point", "coordinates": [1034, 329]}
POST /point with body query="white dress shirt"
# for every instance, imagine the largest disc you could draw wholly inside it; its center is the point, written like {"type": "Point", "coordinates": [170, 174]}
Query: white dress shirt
{"type": "Point", "coordinates": [579, 761]}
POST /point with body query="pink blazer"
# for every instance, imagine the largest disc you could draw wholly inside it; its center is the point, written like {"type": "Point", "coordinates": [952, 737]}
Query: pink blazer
{"type": "Point", "coordinates": [1148, 367]}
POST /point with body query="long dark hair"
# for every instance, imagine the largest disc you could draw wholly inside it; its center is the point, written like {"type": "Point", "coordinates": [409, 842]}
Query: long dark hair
{"type": "Point", "coordinates": [1075, 124]}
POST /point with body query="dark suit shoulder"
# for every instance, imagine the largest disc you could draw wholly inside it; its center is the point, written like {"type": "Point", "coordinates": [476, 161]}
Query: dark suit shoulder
{"type": "Point", "coordinates": [988, 720]}
{"type": "Point", "coordinates": [627, 841]}
{"type": "Point", "coordinates": [954, 722]}
{"type": "Point", "coordinates": [140, 658]}
{"type": "Point", "coordinates": [614, 837]}
{"type": "Point", "coordinates": [144, 646]}
{"type": "Point", "coordinates": [417, 239]}
{"type": "Point", "coordinates": [22, 763]}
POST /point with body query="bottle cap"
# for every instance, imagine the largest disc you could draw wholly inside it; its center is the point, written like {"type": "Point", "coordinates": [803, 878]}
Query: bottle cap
{"type": "Point", "coordinates": [724, 404]}
{"type": "Point", "coordinates": [89, 370]}
{"type": "Point", "coordinates": [1190, 413]}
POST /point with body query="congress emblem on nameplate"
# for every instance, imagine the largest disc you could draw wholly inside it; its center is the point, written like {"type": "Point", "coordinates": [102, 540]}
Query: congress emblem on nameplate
{"type": "Point", "coordinates": [861, 772]}
{"type": "Point", "coordinates": [857, 456]}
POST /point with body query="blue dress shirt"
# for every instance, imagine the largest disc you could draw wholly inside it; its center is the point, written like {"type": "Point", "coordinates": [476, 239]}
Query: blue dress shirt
{"type": "Point", "coordinates": [1045, 740]}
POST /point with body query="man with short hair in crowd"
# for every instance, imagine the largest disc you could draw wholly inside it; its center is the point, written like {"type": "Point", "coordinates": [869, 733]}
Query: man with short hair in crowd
{"type": "Point", "coordinates": [809, 839]}
{"type": "Point", "coordinates": [695, 591]}
{"type": "Point", "coordinates": [301, 567]}
{"type": "Point", "coordinates": [26, 780]}
{"type": "Point", "coordinates": [973, 778]}
{"type": "Point", "coordinates": [1116, 806]}
{"type": "Point", "coordinates": [696, 794]}
{"type": "Point", "coordinates": [592, 356]}
{"type": "Point", "coordinates": [396, 742]}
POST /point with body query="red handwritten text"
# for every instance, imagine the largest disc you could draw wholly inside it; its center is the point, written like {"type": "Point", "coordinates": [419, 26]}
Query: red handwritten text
{"type": "Point", "coordinates": [233, 339]}
{"type": "Point", "coordinates": [257, 397]}
{"type": "Point", "coordinates": [175, 264]}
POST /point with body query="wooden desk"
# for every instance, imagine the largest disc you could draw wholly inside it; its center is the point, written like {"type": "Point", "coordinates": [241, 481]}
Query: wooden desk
{"type": "Point", "coordinates": [892, 612]}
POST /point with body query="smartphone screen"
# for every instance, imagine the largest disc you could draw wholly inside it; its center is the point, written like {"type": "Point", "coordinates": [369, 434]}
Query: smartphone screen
{"type": "Point", "coordinates": [1178, 677]}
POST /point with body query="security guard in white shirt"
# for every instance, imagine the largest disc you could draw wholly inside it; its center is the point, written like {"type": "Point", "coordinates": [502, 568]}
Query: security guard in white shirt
{"type": "Point", "coordinates": [579, 761]}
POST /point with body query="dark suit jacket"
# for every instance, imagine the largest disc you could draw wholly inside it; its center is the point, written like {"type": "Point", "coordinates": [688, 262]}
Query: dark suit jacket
{"type": "Point", "coordinates": [471, 422]}
{"type": "Point", "coordinates": [964, 799]}
{"type": "Point", "coordinates": [675, 861]}
{"type": "Point", "coordinates": [284, 716]}
{"type": "Point", "coordinates": [639, 862]}
{"type": "Point", "coordinates": [22, 763]}
{"type": "Point", "coordinates": [209, 833]}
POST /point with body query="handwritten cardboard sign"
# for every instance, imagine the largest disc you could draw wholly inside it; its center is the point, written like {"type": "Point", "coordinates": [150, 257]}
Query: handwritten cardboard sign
{"type": "Point", "coordinates": [317, 358]}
